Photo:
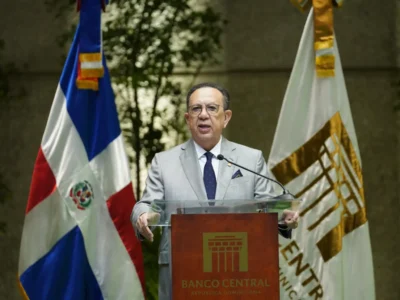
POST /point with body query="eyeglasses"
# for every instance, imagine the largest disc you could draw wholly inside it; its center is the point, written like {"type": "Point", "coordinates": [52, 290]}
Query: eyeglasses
{"type": "Point", "coordinates": [195, 110]}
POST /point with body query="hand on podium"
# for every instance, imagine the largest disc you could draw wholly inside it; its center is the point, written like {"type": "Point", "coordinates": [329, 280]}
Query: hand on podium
{"type": "Point", "coordinates": [290, 218]}
{"type": "Point", "coordinates": [145, 220]}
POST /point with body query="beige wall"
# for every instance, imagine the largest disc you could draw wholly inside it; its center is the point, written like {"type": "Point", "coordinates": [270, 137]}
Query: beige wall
{"type": "Point", "coordinates": [260, 46]}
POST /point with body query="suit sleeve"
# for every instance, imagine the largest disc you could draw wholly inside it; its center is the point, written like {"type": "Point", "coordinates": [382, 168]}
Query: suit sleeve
{"type": "Point", "coordinates": [263, 188]}
{"type": "Point", "coordinates": [154, 190]}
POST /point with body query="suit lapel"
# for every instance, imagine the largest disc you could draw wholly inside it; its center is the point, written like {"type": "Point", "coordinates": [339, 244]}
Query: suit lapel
{"type": "Point", "coordinates": [190, 166]}
{"type": "Point", "coordinates": [225, 170]}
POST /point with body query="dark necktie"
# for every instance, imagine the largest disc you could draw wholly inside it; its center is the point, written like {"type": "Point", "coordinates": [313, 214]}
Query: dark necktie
{"type": "Point", "coordinates": [210, 181]}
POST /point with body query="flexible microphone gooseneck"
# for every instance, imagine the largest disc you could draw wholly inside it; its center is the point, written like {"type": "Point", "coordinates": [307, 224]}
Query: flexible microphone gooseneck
{"type": "Point", "coordinates": [285, 191]}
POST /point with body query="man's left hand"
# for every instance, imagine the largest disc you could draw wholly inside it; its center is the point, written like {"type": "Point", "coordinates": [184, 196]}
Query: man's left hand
{"type": "Point", "coordinates": [290, 218]}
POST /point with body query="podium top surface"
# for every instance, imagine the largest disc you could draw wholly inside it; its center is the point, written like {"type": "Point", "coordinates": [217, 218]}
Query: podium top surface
{"type": "Point", "coordinates": [161, 210]}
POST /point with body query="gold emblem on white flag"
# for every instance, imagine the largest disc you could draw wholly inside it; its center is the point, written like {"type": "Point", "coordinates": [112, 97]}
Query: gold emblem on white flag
{"type": "Point", "coordinates": [332, 184]}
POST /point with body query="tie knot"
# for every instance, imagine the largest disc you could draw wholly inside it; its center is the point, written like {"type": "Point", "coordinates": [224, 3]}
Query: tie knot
{"type": "Point", "coordinates": [209, 156]}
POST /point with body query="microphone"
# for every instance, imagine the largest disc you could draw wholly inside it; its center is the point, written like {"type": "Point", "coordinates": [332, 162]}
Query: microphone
{"type": "Point", "coordinates": [286, 195]}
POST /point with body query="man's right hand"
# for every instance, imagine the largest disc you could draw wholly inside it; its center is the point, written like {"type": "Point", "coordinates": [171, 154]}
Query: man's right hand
{"type": "Point", "coordinates": [142, 224]}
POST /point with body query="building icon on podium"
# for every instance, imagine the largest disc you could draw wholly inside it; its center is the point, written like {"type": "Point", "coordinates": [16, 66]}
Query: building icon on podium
{"type": "Point", "coordinates": [225, 252]}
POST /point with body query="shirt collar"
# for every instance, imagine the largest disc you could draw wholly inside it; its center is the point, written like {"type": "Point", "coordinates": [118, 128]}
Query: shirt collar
{"type": "Point", "coordinates": [215, 151]}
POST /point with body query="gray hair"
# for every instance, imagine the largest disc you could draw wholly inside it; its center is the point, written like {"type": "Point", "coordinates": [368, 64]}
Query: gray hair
{"type": "Point", "coordinates": [222, 90]}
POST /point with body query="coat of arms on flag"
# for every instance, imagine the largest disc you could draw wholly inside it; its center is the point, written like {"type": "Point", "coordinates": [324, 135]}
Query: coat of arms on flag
{"type": "Point", "coordinates": [82, 194]}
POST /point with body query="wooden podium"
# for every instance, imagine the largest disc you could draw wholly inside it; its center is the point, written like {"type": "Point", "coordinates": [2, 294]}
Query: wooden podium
{"type": "Point", "coordinates": [225, 256]}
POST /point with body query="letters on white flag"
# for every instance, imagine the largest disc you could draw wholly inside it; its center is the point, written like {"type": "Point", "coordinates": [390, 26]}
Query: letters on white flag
{"type": "Point", "coordinates": [315, 155]}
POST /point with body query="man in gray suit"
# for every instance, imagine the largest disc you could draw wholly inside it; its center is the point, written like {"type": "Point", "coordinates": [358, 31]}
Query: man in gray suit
{"type": "Point", "coordinates": [191, 171]}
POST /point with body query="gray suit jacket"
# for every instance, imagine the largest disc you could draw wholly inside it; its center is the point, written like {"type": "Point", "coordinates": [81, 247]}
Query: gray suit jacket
{"type": "Point", "coordinates": [175, 175]}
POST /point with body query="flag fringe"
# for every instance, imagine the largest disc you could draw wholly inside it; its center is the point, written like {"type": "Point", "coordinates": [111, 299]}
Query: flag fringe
{"type": "Point", "coordinates": [85, 84]}
{"type": "Point", "coordinates": [90, 57]}
{"type": "Point", "coordinates": [319, 45]}
{"type": "Point", "coordinates": [325, 73]}
{"type": "Point", "coordinates": [325, 65]}
{"type": "Point", "coordinates": [86, 73]}
{"type": "Point", "coordinates": [21, 289]}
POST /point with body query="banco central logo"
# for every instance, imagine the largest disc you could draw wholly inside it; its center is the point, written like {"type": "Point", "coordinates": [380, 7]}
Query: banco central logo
{"type": "Point", "coordinates": [225, 252]}
{"type": "Point", "coordinates": [326, 173]}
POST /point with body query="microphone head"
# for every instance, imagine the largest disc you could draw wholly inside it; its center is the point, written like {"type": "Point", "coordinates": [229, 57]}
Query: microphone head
{"type": "Point", "coordinates": [220, 157]}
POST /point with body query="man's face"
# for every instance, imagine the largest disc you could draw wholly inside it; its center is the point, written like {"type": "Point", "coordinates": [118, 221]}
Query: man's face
{"type": "Point", "coordinates": [206, 126]}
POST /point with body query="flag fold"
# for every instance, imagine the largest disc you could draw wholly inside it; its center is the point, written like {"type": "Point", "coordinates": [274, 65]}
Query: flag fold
{"type": "Point", "coordinates": [315, 155]}
{"type": "Point", "coordinates": [78, 242]}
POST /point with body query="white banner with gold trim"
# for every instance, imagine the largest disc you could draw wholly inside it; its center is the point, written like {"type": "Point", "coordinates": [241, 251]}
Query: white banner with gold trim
{"type": "Point", "coordinates": [315, 155]}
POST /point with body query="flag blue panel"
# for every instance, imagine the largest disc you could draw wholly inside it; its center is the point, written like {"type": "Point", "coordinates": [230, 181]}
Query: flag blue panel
{"type": "Point", "coordinates": [92, 112]}
{"type": "Point", "coordinates": [63, 273]}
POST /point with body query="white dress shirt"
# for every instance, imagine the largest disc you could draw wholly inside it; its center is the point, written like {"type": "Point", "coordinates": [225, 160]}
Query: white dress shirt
{"type": "Point", "coordinates": [202, 158]}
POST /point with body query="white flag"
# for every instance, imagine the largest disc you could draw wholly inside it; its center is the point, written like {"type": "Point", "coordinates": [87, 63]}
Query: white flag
{"type": "Point", "coordinates": [315, 155]}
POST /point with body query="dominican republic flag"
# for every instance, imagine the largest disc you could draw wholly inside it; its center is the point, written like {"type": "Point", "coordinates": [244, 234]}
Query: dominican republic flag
{"type": "Point", "coordinates": [78, 241]}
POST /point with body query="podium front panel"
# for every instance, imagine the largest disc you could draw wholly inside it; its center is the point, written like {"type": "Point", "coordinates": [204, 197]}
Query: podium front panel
{"type": "Point", "coordinates": [224, 256]}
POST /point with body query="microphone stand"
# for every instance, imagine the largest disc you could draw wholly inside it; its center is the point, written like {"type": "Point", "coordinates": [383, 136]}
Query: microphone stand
{"type": "Point", "coordinates": [286, 195]}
